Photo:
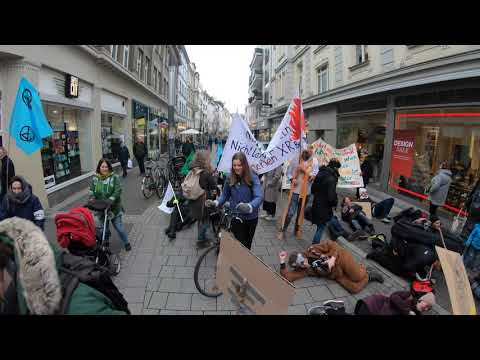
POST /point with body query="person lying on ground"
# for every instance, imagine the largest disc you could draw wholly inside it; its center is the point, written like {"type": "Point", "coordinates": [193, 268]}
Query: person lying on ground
{"type": "Point", "coordinates": [328, 259]}
{"type": "Point", "coordinates": [398, 303]}
{"type": "Point", "coordinates": [31, 280]}
{"type": "Point", "coordinates": [380, 210]}
{"type": "Point", "coordinates": [354, 215]}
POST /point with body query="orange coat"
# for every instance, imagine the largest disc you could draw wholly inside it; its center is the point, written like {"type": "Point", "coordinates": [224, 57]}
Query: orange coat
{"type": "Point", "coordinates": [346, 271]}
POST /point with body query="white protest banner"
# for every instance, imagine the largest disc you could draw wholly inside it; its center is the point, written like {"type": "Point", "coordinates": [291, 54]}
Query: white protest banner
{"type": "Point", "coordinates": [168, 196]}
{"type": "Point", "coordinates": [284, 145]}
{"type": "Point", "coordinates": [350, 173]}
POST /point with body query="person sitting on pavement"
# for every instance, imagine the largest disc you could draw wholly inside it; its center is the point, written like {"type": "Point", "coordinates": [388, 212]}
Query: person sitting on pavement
{"type": "Point", "coordinates": [354, 215]}
{"type": "Point", "coordinates": [176, 223]}
{"type": "Point", "coordinates": [21, 202]}
{"type": "Point", "coordinates": [30, 276]}
{"type": "Point", "coordinates": [398, 303]}
{"type": "Point", "coordinates": [328, 259]}
{"type": "Point", "coordinates": [380, 210]}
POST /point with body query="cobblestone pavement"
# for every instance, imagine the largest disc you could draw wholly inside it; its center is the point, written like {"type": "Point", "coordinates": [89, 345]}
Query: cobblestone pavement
{"type": "Point", "coordinates": [157, 275]}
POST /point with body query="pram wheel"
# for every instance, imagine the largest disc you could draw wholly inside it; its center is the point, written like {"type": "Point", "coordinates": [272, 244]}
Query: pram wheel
{"type": "Point", "coordinates": [115, 264]}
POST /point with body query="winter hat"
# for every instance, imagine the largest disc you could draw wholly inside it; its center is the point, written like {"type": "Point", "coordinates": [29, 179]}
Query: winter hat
{"type": "Point", "coordinates": [429, 298]}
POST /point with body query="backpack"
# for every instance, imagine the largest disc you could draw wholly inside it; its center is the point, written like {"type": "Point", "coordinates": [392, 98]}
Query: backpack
{"type": "Point", "coordinates": [77, 269]}
{"type": "Point", "coordinates": [191, 185]}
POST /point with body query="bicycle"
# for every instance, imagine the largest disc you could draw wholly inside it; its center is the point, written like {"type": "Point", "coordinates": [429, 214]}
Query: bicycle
{"type": "Point", "coordinates": [220, 219]}
{"type": "Point", "coordinates": [154, 180]}
{"type": "Point", "coordinates": [102, 254]}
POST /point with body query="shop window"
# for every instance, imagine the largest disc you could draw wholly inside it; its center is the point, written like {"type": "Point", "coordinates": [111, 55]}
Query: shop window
{"type": "Point", "coordinates": [438, 136]}
{"type": "Point", "coordinates": [367, 132]}
{"type": "Point", "coordinates": [61, 151]}
{"type": "Point", "coordinates": [112, 135]}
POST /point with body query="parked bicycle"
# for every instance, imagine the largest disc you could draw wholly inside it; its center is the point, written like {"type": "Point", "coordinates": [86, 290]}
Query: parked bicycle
{"type": "Point", "coordinates": [154, 180]}
{"type": "Point", "coordinates": [206, 284]}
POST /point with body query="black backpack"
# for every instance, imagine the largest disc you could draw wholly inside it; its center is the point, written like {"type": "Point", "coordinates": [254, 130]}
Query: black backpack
{"type": "Point", "coordinates": [77, 269]}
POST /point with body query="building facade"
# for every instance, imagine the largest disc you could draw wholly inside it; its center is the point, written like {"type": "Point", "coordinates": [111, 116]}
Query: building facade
{"type": "Point", "coordinates": [372, 95]}
{"type": "Point", "coordinates": [122, 94]}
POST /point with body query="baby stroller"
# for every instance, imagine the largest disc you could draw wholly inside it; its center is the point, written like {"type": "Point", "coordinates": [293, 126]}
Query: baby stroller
{"type": "Point", "coordinates": [77, 232]}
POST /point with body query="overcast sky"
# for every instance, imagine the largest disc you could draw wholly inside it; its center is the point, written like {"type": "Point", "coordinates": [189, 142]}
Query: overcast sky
{"type": "Point", "coordinates": [224, 72]}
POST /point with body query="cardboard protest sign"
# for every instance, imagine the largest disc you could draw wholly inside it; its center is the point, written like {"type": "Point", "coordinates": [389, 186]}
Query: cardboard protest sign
{"type": "Point", "coordinates": [350, 173]}
{"type": "Point", "coordinates": [367, 208]}
{"type": "Point", "coordinates": [459, 290]}
{"type": "Point", "coordinates": [249, 283]}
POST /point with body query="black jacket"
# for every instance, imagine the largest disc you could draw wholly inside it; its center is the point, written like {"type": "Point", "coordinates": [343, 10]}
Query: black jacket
{"type": "Point", "coordinates": [123, 155]}
{"type": "Point", "coordinates": [367, 170]}
{"type": "Point", "coordinates": [324, 195]}
{"type": "Point", "coordinates": [187, 148]}
{"type": "Point", "coordinates": [11, 173]}
{"type": "Point", "coordinates": [139, 150]}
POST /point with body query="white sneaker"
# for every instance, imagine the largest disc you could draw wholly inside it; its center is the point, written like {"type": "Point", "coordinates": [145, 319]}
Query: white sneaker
{"type": "Point", "coordinates": [263, 215]}
{"type": "Point", "coordinates": [270, 218]}
{"type": "Point", "coordinates": [385, 220]}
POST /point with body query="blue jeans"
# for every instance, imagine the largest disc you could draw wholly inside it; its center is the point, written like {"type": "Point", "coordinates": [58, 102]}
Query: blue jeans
{"type": "Point", "coordinates": [118, 225]}
{"type": "Point", "coordinates": [471, 259]}
{"type": "Point", "coordinates": [360, 222]}
{"type": "Point", "coordinates": [333, 224]}
{"type": "Point", "coordinates": [383, 208]}
{"type": "Point", "coordinates": [202, 231]}
{"type": "Point", "coordinates": [294, 208]}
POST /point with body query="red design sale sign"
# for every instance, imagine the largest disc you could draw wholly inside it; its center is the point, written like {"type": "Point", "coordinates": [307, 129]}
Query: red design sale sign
{"type": "Point", "coordinates": [403, 150]}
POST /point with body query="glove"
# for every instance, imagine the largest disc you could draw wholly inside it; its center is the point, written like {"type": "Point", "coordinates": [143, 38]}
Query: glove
{"type": "Point", "coordinates": [211, 203]}
{"type": "Point", "coordinates": [245, 208]}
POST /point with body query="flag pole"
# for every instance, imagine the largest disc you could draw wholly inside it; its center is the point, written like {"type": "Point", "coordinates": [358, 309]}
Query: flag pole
{"type": "Point", "coordinates": [176, 201]}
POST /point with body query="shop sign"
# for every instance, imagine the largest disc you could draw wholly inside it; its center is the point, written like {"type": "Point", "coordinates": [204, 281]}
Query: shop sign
{"type": "Point", "coordinates": [403, 149]}
{"type": "Point", "coordinates": [71, 86]}
{"type": "Point", "coordinates": [49, 181]}
{"type": "Point", "coordinates": [139, 110]}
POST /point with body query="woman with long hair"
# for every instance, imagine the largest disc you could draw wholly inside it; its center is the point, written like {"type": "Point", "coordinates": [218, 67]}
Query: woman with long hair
{"type": "Point", "coordinates": [244, 192]}
{"type": "Point", "coordinates": [106, 186]}
{"type": "Point", "coordinates": [201, 165]}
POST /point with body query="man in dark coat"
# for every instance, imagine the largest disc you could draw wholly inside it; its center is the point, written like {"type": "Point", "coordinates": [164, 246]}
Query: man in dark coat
{"type": "Point", "coordinates": [7, 163]}
{"type": "Point", "coordinates": [140, 151]}
{"type": "Point", "coordinates": [123, 156]}
{"type": "Point", "coordinates": [188, 147]}
{"type": "Point", "coordinates": [324, 190]}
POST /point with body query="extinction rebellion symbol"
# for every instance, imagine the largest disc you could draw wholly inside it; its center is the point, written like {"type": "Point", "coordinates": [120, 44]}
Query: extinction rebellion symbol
{"type": "Point", "coordinates": [27, 134]}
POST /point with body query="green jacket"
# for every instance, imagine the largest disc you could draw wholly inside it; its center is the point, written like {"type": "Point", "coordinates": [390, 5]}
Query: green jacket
{"type": "Point", "coordinates": [108, 187]}
{"type": "Point", "coordinates": [38, 264]}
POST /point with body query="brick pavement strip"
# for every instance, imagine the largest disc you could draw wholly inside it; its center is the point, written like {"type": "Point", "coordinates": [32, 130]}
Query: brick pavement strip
{"type": "Point", "coordinates": [179, 301]}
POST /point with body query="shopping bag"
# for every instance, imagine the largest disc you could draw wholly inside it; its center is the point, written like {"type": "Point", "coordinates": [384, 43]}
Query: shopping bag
{"type": "Point", "coordinates": [130, 163]}
{"type": "Point", "coordinates": [458, 223]}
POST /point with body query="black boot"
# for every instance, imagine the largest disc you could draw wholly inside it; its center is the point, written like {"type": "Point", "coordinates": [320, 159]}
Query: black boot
{"type": "Point", "coordinates": [374, 275]}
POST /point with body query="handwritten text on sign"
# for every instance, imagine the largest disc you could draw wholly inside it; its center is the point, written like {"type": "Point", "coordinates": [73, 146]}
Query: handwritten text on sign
{"type": "Point", "coordinates": [350, 173]}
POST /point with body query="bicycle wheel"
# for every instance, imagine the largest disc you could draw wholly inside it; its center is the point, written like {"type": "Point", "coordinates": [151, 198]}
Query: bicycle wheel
{"type": "Point", "coordinates": [148, 186]}
{"type": "Point", "coordinates": [115, 264]}
{"type": "Point", "coordinates": [161, 185]}
{"type": "Point", "coordinates": [205, 277]}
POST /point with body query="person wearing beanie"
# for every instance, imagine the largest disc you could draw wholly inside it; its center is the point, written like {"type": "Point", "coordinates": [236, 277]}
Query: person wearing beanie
{"type": "Point", "coordinates": [328, 259]}
{"type": "Point", "coordinates": [398, 303]}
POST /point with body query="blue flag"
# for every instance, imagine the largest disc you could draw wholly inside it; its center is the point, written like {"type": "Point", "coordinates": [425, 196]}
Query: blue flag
{"type": "Point", "coordinates": [28, 124]}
